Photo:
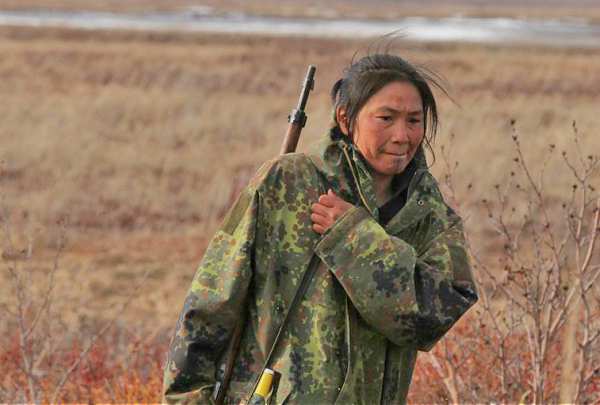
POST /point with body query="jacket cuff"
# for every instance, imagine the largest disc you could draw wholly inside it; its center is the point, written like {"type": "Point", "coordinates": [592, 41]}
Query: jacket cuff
{"type": "Point", "coordinates": [339, 231]}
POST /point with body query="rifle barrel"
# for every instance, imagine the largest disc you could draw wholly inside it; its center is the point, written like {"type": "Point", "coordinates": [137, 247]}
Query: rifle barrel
{"type": "Point", "coordinates": [297, 117]}
{"type": "Point", "coordinates": [309, 84]}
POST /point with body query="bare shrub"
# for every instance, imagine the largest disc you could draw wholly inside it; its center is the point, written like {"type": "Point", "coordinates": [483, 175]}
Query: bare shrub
{"type": "Point", "coordinates": [44, 356]}
{"type": "Point", "coordinates": [534, 336]}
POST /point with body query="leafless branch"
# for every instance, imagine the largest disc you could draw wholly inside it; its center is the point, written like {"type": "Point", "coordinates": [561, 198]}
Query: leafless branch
{"type": "Point", "coordinates": [83, 354]}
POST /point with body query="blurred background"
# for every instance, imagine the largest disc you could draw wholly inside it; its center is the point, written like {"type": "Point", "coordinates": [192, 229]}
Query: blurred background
{"type": "Point", "coordinates": [129, 127]}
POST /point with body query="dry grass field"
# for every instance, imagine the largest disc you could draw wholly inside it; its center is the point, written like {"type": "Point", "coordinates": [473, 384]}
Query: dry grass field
{"type": "Point", "coordinates": [140, 141]}
{"type": "Point", "coordinates": [133, 145]}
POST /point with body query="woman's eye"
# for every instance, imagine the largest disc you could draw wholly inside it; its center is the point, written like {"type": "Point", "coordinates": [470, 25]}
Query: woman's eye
{"type": "Point", "coordinates": [385, 118]}
{"type": "Point", "coordinates": [414, 120]}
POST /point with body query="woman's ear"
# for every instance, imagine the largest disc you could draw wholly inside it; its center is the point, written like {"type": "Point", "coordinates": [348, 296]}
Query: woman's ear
{"type": "Point", "coordinates": [342, 119]}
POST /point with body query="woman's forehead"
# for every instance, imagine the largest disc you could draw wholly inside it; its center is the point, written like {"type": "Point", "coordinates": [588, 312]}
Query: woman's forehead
{"type": "Point", "coordinates": [396, 96]}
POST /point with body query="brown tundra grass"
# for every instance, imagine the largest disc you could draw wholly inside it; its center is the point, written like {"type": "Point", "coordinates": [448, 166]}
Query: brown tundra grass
{"type": "Point", "coordinates": [120, 152]}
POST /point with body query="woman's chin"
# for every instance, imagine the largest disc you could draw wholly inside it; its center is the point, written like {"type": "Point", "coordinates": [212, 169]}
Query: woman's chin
{"type": "Point", "coordinates": [398, 166]}
{"type": "Point", "coordinates": [391, 170]}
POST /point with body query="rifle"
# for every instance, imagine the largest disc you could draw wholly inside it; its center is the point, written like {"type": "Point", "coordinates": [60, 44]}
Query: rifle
{"type": "Point", "coordinates": [297, 117]}
{"type": "Point", "coordinates": [297, 121]}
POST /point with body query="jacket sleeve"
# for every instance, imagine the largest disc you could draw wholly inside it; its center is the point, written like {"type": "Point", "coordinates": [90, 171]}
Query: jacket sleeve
{"type": "Point", "coordinates": [411, 297]}
{"type": "Point", "coordinates": [212, 306]}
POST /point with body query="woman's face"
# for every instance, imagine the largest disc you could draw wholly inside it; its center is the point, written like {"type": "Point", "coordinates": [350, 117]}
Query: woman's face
{"type": "Point", "coordinates": [389, 128]}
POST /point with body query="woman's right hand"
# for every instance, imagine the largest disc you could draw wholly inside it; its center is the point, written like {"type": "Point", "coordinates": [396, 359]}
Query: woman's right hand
{"type": "Point", "coordinates": [327, 210]}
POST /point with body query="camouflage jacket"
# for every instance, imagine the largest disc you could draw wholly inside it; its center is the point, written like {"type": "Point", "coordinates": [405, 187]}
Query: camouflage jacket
{"type": "Point", "coordinates": [378, 295]}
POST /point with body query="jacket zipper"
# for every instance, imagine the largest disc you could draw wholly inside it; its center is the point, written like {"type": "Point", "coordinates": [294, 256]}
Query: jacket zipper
{"type": "Point", "coordinates": [360, 192]}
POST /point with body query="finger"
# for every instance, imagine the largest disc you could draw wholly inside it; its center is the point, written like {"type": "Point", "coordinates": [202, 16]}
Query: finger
{"type": "Point", "coordinates": [320, 209]}
{"type": "Point", "coordinates": [327, 200]}
{"type": "Point", "coordinates": [335, 199]}
{"type": "Point", "coordinates": [345, 204]}
{"type": "Point", "coordinates": [319, 219]}
{"type": "Point", "coordinates": [318, 229]}
{"type": "Point", "coordinates": [337, 212]}
{"type": "Point", "coordinates": [323, 221]}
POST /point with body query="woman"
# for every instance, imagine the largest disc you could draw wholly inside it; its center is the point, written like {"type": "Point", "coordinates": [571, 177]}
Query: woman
{"type": "Point", "coordinates": [392, 274]}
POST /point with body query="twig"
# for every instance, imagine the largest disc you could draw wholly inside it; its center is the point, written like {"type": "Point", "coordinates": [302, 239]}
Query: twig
{"type": "Point", "coordinates": [94, 338]}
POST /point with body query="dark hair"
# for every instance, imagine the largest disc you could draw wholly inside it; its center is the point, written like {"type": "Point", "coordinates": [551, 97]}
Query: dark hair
{"type": "Point", "coordinates": [365, 77]}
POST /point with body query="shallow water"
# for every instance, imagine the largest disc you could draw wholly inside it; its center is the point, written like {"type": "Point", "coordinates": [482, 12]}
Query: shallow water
{"type": "Point", "coordinates": [570, 33]}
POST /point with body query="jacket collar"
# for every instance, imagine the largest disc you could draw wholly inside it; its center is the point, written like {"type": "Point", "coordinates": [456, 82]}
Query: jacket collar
{"type": "Point", "coordinates": [347, 171]}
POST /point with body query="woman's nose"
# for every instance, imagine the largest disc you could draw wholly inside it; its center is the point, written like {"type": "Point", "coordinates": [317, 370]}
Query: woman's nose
{"type": "Point", "coordinates": [400, 133]}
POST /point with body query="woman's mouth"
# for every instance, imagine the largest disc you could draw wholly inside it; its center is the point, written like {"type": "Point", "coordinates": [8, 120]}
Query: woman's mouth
{"type": "Point", "coordinates": [399, 155]}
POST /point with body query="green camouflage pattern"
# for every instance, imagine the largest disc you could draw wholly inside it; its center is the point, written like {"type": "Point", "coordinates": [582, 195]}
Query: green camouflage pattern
{"type": "Point", "coordinates": [379, 294]}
